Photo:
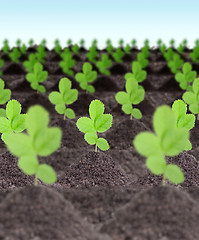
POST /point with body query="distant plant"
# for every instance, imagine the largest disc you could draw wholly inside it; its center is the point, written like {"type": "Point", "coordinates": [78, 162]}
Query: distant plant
{"type": "Point", "coordinates": [67, 62]}
{"type": "Point", "coordinates": [5, 95]}
{"type": "Point", "coordinates": [142, 60]}
{"type": "Point", "coordinates": [134, 95]}
{"type": "Point", "coordinates": [43, 42]}
{"type": "Point", "coordinates": [103, 64]}
{"type": "Point", "coordinates": [192, 99]}
{"type": "Point", "coordinates": [195, 54]}
{"type": "Point", "coordinates": [23, 48]}
{"type": "Point", "coordinates": [6, 47]}
{"type": "Point", "coordinates": [172, 43]}
{"type": "Point", "coordinates": [133, 42]}
{"type": "Point", "coordinates": [69, 42]}
{"type": "Point", "coordinates": [169, 54]}
{"type": "Point", "coordinates": [197, 42]}
{"type": "Point", "coordinates": [109, 48]}
{"type": "Point", "coordinates": [18, 43]}
{"type": "Point", "coordinates": [168, 140]}
{"type": "Point", "coordinates": [127, 49]}
{"type": "Point", "coordinates": [40, 140]}
{"type": "Point", "coordinates": [137, 73]}
{"type": "Point", "coordinates": [163, 48]}
{"type": "Point", "coordinates": [36, 77]}
{"type": "Point", "coordinates": [31, 42]}
{"type": "Point", "coordinates": [14, 121]}
{"type": "Point", "coordinates": [184, 43]}
{"type": "Point", "coordinates": [108, 42]}
{"type": "Point", "coordinates": [118, 55]}
{"type": "Point", "coordinates": [92, 54]}
{"type": "Point", "coordinates": [94, 43]}
{"type": "Point", "coordinates": [146, 42]}
{"type": "Point", "coordinates": [65, 96]}
{"type": "Point", "coordinates": [56, 41]}
{"type": "Point", "coordinates": [75, 49]}
{"type": "Point", "coordinates": [121, 43]}
{"type": "Point", "coordinates": [5, 41]}
{"type": "Point", "coordinates": [145, 51]}
{"type": "Point", "coordinates": [175, 63]}
{"type": "Point", "coordinates": [97, 123]}
{"type": "Point", "coordinates": [180, 49]}
{"type": "Point", "coordinates": [15, 55]}
{"type": "Point", "coordinates": [86, 77]}
{"type": "Point", "coordinates": [82, 42]}
{"type": "Point", "coordinates": [41, 53]}
{"type": "Point", "coordinates": [183, 119]}
{"type": "Point", "coordinates": [186, 76]}
{"type": "Point", "coordinates": [1, 65]}
{"type": "Point", "coordinates": [57, 47]}
{"type": "Point", "coordinates": [159, 43]}
{"type": "Point", "coordinates": [29, 64]}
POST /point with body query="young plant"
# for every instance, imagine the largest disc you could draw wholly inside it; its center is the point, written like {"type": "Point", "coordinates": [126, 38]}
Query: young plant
{"type": "Point", "coordinates": [121, 43]}
{"type": "Point", "coordinates": [57, 48]}
{"type": "Point", "coordinates": [180, 49]}
{"type": "Point", "coordinates": [1, 65]}
{"type": "Point", "coordinates": [97, 123]}
{"type": "Point", "coordinates": [118, 55]}
{"type": "Point", "coordinates": [145, 51]}
{"type": "Point", "coordinates": [40, 141]}
{"type": "Point", "coordinates": [69, 42]}
{"type": "Point", "coordinates": [30, 42]}
{"type": "Point", "coordinates": [6, 47]}
{"type": "Point", "coordinates": [23, 49]}
{"type": "Point", "coordinates": [65, 96]}
{"type": "Point", "coordinates": [18, 43]}
{"type": "Point", "coordinates": [127, 49]}
{"type": "Point", "coordinates": [192, 99]}
{"type": "Point", "coordinates": [133, 43]}
{"type": "Point", "coordinates": [169, 54]}
{"type": "Point", "coordinates": [183, 120]}
{"type": "Point", "coordinates": [141, 59]}
{"type": "Point", "coordinates": [15, 55]}
{"type": "Point", "coordinates": [87, 76]}
{"type": "Point", "coordinates": [186, 76]}
{"type": "Point", "coordinates": [14, 121]}
{"type": "Point", "coordinates": [163, 48]}
{"type": "Point", "coordinates": [110, 48]}
{"type": "Point", "coordinates": [134, 95]}
{"type": "Point", "coordinates": [67, 62]}
{"type": "Point", "coordinates": [36, 77]}
{"type": "Point", "coordinates": [175, 63]}
{"type": "Point", "coordinates": [146, 43]}
{"type": "Point", "coordinates": [184, 43]}
{"type": "Point", "coordinates": [168, 140]}
{"type": "Point", "coordinates": [137, 72]}
{"type": "Point", "coordinates": [29, 64]}
{"type": "Point", "coordinates": [92, 54]}
{"type": "Point", "coordinates": [159, 43]}
{"type": "Point", "coordinates": [172, 43]}
{"type": "Point", "coordinates": [5, 95]}
{"type": "Point", "coordinates": [103, 64]}
{"type": "Point", "coordinates": [94, 43]}
{"type": "Point", "coordinates": [41, 53]}
{"type": "Point", "coordinates": [195, 54]}
{"type": "Point", "coordinates": [75, 49]}
{"type": "Point", "coordinates": [82, 42]}
{"type": "Point", "coordinates": [43, 42]}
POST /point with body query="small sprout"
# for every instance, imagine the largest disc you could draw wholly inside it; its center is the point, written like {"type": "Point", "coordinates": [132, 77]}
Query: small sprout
{"type": "Point", "coordinates": [92, 54]}
{"type": "Point", "coordinates": [137, 72]}
{"type": "Point", "coordinates": [186, 76]}
{"type": "Point", "coordinates": [6, 48]}
{"type": "Point", "coordinates": [36, 77]}
{"type": "Point", "coordinates": [192, 99]}
{"type": "Point", "coordinates": [43, 42]}
{"type": "Point", "coordinates": [108, 42]}
{"type": "Point", "coordinates": [118, 55]}
{"type": "Point", "coordinates": [103, 64]}
{"type": "Point", "coordinates": [41, 53]}
{"type": "Point", "coordinates": [168, 140]}
{"type": "Point", "coordinates": [75, 49]}
{"type": "Point", "coordinates": [163, 49]}
{"type": "Point", "coordinates": [110, 48]}
{"type": "Point", "coordinates": [57, 42]}
{"type": "Point", "coordinates": [197, 42]}
{"type": "Point", "coordinates": [146, 42]}
{"type": "Point", "coordinates": [127, 49]}
{"type": "Point", "coordinates": [121, 43]}
{"type": "Point", "coordinates": [40, 140]}
{"type": "Point", "coordinates": [82, 42]}
{"type": "Point", "coordinates": [94, 43]}
{"type": "Point", "coordinates": [69, 42]}
{"type": "Point", "coordinates": [145, 51]}
{"type": "Point", "coordinates": [134, 95]}
{"type": "Point", "coordinates": [88, 76]}
{"type": "Point", "coordinates": [15, 55]}
{"type": "Point", "coordinates": [5, 95]}
{"type": "Point", "coordinates": [184, 43]}
{"type": "Point", "coordinates": [169, 54]}
{"type": "Point", "coordinates": [23, 49]}
{"type": "Point", "coordinates": [142, 60]}
{"type": "Point", "coordinates": [172, 43]}
{"type": "Point", "coordinates": [30, 42]}
{"type": "Point", "coordinates": [180, 49]}
{"type": "Point", "coordinates": [57, 48]}
{"type": "Point", "coordinates": [14, 121]}
{"type": "Point", "coordinates": [97, 123]}
{"type": "Point", "coordinates": [133, 43]}
{"type": "Point", "coordinates": [18, 43]}
{"type": "Point", "coordinates": [29, 64]}
{"type": "Point", "coordinates": [1, 65]}
{"type": "Point", "coordinates": [67, 62]}
{"type": "Point", "coordinates": [175, 63]}
{"type": "Point", "coordinates": [195, 54]}
{"type": "Point", "coordinates": [159, 43]}
{"type": "Point", "coordinates": [65, 96]}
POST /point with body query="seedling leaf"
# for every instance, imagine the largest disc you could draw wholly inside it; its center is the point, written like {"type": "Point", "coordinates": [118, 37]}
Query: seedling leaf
{"type": "Point", "coordinates": [102, 144]}
{"type": "Point", "coordinates": [174, 174]}
{"type": "Point", "coordinates": [46, 174]}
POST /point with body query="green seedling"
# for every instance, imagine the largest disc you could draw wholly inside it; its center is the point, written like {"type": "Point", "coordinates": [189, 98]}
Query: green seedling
{"type": "Point", "coordinates": [92, 54]}
{"type": "Point", "coordinates": [146, 42]}
{"type": "Point", "coordinates": [169, 54]}
{"type": "Point", "coordinates": [41, 53]}
{"type": "Point", "coordinates": [5, 95]}
{"type": "Point", "coordinates": [145, 51]}
{"type": "Point", "coordinates": [15, 55]}
{"type": "Point", "coordinates": [5, 41]}
{"type": "Point", "coordinates": [29, 64]}
{"type": "Point", "coordinates": [14, 121]}
{"type": "Point", "coordinates": [82, 42]}
{"type": "Point", "coordinates": [36, 77]}
{"type": "Point", "coordinates": [192, 98]}
{"type": "Point", "coordinates": [175, 63]}
{"type": "Point", "coordinates": [1, 65]}
{"type": "Point", "coordinates": [103, 64]}
{"type": "Point", "coordinates": [56, 42]}
{"type": "Point", "coordinates": [67, 62]}
{"type": "Point", "coordinates": [185, 77]}
{"type": "Point", "coordinates": [137, 72]}
{"type": "Point", "coordinates": [94, 43]}
{"type": "Point", "coordinates": [69, 42]}
{"type": "Point", "coordinates": [108, 42]}
{"type": "Point", "coordinates": [40, 141]}
{"type": "Point", "coordinates": [65, 96]}
{"type": "Point", "coordinates": [168, 140]}
{"type": "Point", "coordinates": [133, 43]}
{"type": "Point", "coordinates": [75, 49]}
{"type": "Point", "coordinates": [195, 54]}
{"type": "Point", "coordinates": [23, 49]}
{"type": "Point", "coordinates": [121, 43]}
{"type": "Point", "coordinates": [118, 55]}
{"type": "Point", "coordinates": [97, 123]}
{"type": "Point", "coordinates": [197, 42]}
{"type": "Point", "coordinates": [30, 42]}
{"type": "Point", "coordinates": [183, 120]}
{"type": "Point", "coordinates": [159, 43]}
{"type": "Point", "coordinates": [142, 60]}
{"type": "Point", "coordinates": [87, 76]}
{"type": "Point", "coordinates": [6, 48]}
{"type": "Point", "coordinates": [172, 43]}
{"type": "Point", "coordinates": [57, 48]}
{"type": "Point", "coordinates": [127, 49]}
{"type": "Point", "coordinates": [110, 48]}
{"type": "Point", "coordinates": [134, 95]}
{"type": "Point", "coordinates": [180, 49]}
{"type": "Point", "coordinates": [163, 49]}
{"type": "Point", "coordinates": [43, 42]}
{"type": "Point", "coordinates": [18, 43]}
{"type": "Point", "coordinates": [184, 43]}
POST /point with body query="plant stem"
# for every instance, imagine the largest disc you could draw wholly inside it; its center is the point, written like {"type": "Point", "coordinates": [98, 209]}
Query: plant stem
{"type": "Point", "coordinates": [131, 117]}
{"type": "Point", "coordinates": [64, 117]}
{"type": "Point", "coordinates": [96, 147]}
{"type": "Point", "coordinates": [36, 182]}
{"type": "Point", "coordinates": [163, 181]}
{"type": "Point", "coordinates": [198, 116]}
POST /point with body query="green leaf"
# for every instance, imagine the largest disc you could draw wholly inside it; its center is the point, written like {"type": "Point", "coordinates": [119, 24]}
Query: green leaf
{"type": "Point", "coordinates": [60, 108]}
{"type": "Point", "coordinates": [137, 96]}
{"type": "Point", "coordinates": [189, 97]}
{"type": "Point", "coordinates": [180, 108]}
{"type": "Point", "coordinates": [102, 144]}
{"type": "Point", "coordinates": [46, 174]}
{"type": "Point", "coordinates": [136, 113]}
{"type": "Point", "coordinates": [103, 123]}
{"type": "Point", "coordinates": [127, 108]}
{"type": "Point", "coordinates": [5, 125]}
{"type": "Point", "coordinates": [91, 138]}
{"type": "Point", "coordinates": [3, 113]}
{"type": "Point", "coordinates": [79, 77]}
{"type": "Point", "coordinates": [4, 96]}
{"type": "Point", "coordinates": [122, 98]}
{"type": "Point", "coordinates": [96, 109]}
{"type": "Point", "coordinates": [69, 113]}
{"type": "Point", "coordinates": [90, 89]}
{"type": "Point", "coordinates": [131, 85]}
{"type": "Point", "coordinates": [41, 89]}
{"type": "Point", "coordinates": [13, 109]}
{"type": "Point", "coordinates": [156, 164]}
{"type": "Point", "coordinates": [187, 121]}
{"type": "Point", "coordinates": [28, 164]}
{"type": "Point", "coordinates": [147, 144]}
{"type": "Point", "coordinates": [48, 141]}
{"type": "Point", "coordinates": [196, 86]}
{"type": "Point", "coordinates": [18, 123]}
{"type": "Point", "coordinates": [64, 85]}
{"type": "Point", "coordinates": [85, 125]}
{"type": "Point", "coordinates": [87, 67]}
{"type": "Point", "coordinates": [55, 98]}
{"type": "Point", "coordinates": [174, 174]}
{"type": "Point", "coordinates": [194, 108]}
{"type": "Point", "coordinates": [70, 96]}
{"type": "Point", "coordinates": [2, 84]}
{"type": "Point", "coordinates": [186, 67]}
{"type": "Point", "coordinates": [90, 77]}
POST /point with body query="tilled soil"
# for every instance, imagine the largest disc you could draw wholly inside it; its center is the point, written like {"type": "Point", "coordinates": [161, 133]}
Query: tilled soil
{"type": "Point", "coordinates": [104, 195]}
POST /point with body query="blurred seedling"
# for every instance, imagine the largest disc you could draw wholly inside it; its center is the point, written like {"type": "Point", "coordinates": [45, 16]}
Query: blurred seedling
{"type": "Point", "coordinates": [195, 54]}
{"type": "Point", "coordinates": [175, 63]}
{"type": "Point", "coordinates": [121, 43]}
{"type": "Point", "coordinates": [18, 43]}
{"type": "Point", "coordinates": [1, 65]}
{"type": "Point", "coordinates": [172, 43]}
{"type": "Point", "coordinates": [23, 48]}
{"type": "Point", "coordinates": [103, 64]}
{"type": "Point", "coordinates": [137, 72]}
{"type": "Point", "coordinates": [180, 49]}
{"type": "Point", "coordinates": [127, 49]}
{"type": "Point", "coordinates": [92, 54]}
{"type": "Point", "coordinates": [75, 49]}
{"type": "Point", "coordinates": [41, 53]}
{"type": "Point", "coordinates": [118, 55]}
{"type": "Point", "coordinates": [5, 95]}
{"type": "Point", "coordinates": [133, 43]}
{"type": "Point", "coordinates": [142, 60]}
{"type": "Point", "coordinates": [30, 42]}
{"type": "Point", "coordinates": [15, 55]}
{"type": "Point", "coordinates": [29, 64]}
{"type": "Point", "coordinates": [82, 42]}
{"type": "Point", "coordinates": [67, 62]}
{"type": "Point", "coordinates": [159, 43]}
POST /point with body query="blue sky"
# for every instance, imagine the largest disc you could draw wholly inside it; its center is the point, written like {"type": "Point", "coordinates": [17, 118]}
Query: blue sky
{"type": "Point", "coordinates": [103, 19]}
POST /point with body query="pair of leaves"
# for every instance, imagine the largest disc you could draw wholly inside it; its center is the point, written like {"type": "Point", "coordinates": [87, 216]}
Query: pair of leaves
{"type": "Point", "coordinates": [5, 94]}
{"type": "Point", "coordinates": [137, 72]}
{"type": "Point", "coordinates": [175, 63]}
{"type": "Point", "coordinates": [92, 54]}
{"type": "Point", "coordinates": [65, 96]}
{"type": "Point", "coordinates": [134, 95]}
{"type": "Point", "coordinates": [118, 55]}
{"type": "Point", "coordinates": [15, 55]}
{"type": "Point", "coordinates": [87, 76]}
{"type": "Point", "coordinates": [36, 77]}
{"type": "Point", "coordinates": [40, 140]}
{"type": "Point", "coordinates": [142, 60]}
{"type": "Point", "coordinates": [67, 63]}
{"type": "Point", "coordinates": [103, 64]}
{"type": "Point", "coordinates": [29, 64]}
{"type": "Point", "coordinates": [98, 122]}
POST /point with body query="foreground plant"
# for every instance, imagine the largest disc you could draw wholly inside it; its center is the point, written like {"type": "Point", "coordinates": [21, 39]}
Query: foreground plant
{"type": "Point", "coordinates": [65, 96]}
{"type": "Point", "coordinates": [168, 140]}
{"type": "Point", "coordinates": [86, 77]}
{"type": "Point", "coordinates": [5, 95]}
{"type": "Point", "coordinates": [134, 95]}
{"type": "Point", "coordinates": [14, 121]}
{"type": "Point", "coordinates": [137, 72]}
{"type": "Point", "coordinates": [103, 64]}
{"type": "Point", "coordinates": [97, 123]}
{"type": "Point", "coordinates": [36, 77]}
{"type": "Point", "coordinates": [40, 141]}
